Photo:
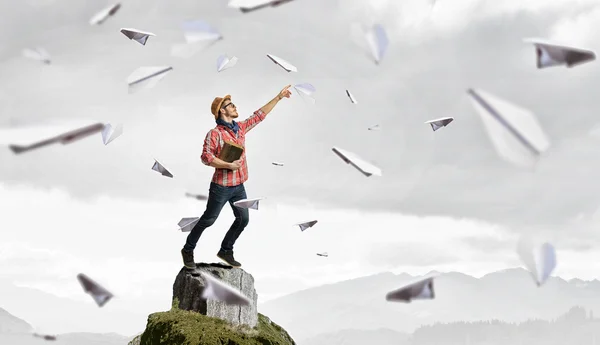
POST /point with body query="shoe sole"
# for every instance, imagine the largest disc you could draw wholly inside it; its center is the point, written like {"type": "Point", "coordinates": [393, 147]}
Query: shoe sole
{"type": "Point", "coordinates": [225, 261]}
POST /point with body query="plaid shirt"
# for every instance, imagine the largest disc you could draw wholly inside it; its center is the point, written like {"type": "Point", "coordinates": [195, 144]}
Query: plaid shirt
{"type": "Point", "coordinates": [214, 143]}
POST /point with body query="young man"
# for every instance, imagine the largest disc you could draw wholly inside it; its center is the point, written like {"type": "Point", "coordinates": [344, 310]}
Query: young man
{"type": "Point", "coordinates": [227, 183]}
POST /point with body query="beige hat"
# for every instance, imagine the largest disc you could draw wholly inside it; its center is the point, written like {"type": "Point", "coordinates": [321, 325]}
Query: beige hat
{"type": "Point", "coordinates": [216, 105]}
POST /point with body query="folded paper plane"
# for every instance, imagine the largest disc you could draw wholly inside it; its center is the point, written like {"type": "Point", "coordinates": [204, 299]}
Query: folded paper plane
{"type": "Point", "coordinates": [187, 224]}
{"type": "Point", "coordinates": [364, 167]}
{"type": "Point", "coordinates": [352, 99]}
{"type": "Point", "coordinates": [161, 169]}
{"type": "Point", "coordinates": [282, 63]}
{"type": "Point", "coordinates": [224, 62]}
{"type": "Point", "coordinates": [45, 337]}
{"type": "Point", "coordinates": [98, 293]}
{"type": "Point", "coordinates": [374, 128]}
{"type": "Point", "coordinates": [324, 254]}
{"type": "Point", "coordinates": [514, 131]}
{"type": "Point", "coordinates": [103, 15]}
{"type": "Point", "coordinates": [197, 196]}
{"type": "Point", "coordinates": [215, 289]}
{"type": "Point", "coordinates": [439, 123]}
{"type": "Point", "coordinates": [246, 6]}
{"type": "Point", "coordinates": [277, 164]}
{"type": "Point", "coordinates": [139, 36]}
{"type": "Point", "coordinates": [305, 225]}
{"type": "Point", "coordinates": [198, 35]}
{"type": "Point", "coordinates": [422, 289]}
{"type": "Point", "coordinates": [110, 133]}
{"type": "Point", "coordinates": [378, 42]}
{"type": "Point", "coordinates": [550, 54]}
{"type": "Point", "coordinates": [248, 203]}
{"type": "Point", "coordinates": [305, 90]}
{"type": "Point", "coordinates": [538, 258]}
{"type": "Point", "coordinates": [39, 54]}
{"type": "Point", "coordinates": [146, 77]}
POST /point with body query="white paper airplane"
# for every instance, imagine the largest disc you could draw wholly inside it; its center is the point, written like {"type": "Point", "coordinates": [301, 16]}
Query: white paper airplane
{"type": "Point", "coordinates": [146, 77]}
{"type": "Point", "coordinates": [364, 167]}
{"type": "Point", "coordinates": [110, 133]}
{"type": "Point", "coordinates": [550, 54]}
{"type": "Point", "coordinates": [422, 289]}
{"type": "Point", "coordinates": [305, 225]}
{"type": "Point", "coordinates": [277, 164]}
{"type": "Point", "coordinates": [215, 289]}
{"type": "Point", "coordinates": [374, 128]}
{"type": "Point", "coordinates": [187, 224]}
{"type": "Point", "coordinates": [39, 54]}
{"type": "Point", "coordinates": [323, 254]}
{"type": "Point", "coordinates": [198, 35]}
{"type": "Point", "coordinates": [538, 258]}
{"type": "Point", "coordinates": [439, 123]}
{"type": "Point", "coordinates": [248, 203]}
{"type": "Point", "coordinates": [139, 36]}
{"type": "Point", "coordinates": [224, 62]}
{"type": "Point", "coordinates": [103, 15]}
{"type": "Point", "coordinates": [25, 139]}
{"type": "Point", "coordinates": [281, 62]}
{"type": "Point", "coordinates": [197, 196]}
{"type": "Point", "coordinates": [352, 99]}
{"type": "Point", "coordinates": [98, 293]}
{"type": "Point", "coordinates": [376, 40]}
{"type": "Point", "coordinates": [514, 131]}
{"type": "Point", "coordinates": [161, 169]}
{"type": "Point", "coordinates": [252, 5]}
{"type": "Point", "coordinates": [305, 90]}
{"type": "Point", "coordinates": [45, 337]}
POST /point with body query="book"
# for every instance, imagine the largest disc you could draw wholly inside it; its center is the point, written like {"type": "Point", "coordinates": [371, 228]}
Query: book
{"type": "Point", "coordinates": [230, 152]}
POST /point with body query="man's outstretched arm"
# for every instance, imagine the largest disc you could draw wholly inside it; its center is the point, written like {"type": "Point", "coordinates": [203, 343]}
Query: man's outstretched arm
{"type": "Point", "coordinates": [261, 113]}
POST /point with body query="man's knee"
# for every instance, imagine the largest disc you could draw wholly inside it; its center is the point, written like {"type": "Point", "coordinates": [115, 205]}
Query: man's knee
{"type": "Point", "coordinates": [244, 218]}
{"type": "Point", "coordinates": [205, 222]}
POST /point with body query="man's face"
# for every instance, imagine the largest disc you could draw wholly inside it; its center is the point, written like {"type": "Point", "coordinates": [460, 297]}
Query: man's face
{"type": "Point", "coordinates": [229, 109]}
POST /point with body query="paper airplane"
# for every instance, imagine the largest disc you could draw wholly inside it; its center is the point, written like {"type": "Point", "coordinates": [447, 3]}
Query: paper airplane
{"type": "Point", "coordinates": [103, 15]}
{"type": "Point", "coordinates": [538, 258]}
{"type": "Point", "coordinates": [305, 225]}
{"type": "Point", "coordinates": [39, 54]}
{"type": "Point", "coordinates": [364, 167]}
{"type": "Point", "coordinates": [439, 123]}
{"type": "Point", "coordinates": [110, 133]}
{"type": "Point", "coordinates": [422, 289]}
{"type": "Point", "coordinates": [252, 5]}
{"type": "Point", "coordinates": [198, 35]}
{"type": "Point", "coordinates": [197, 196]}
{"type": "Point", "coordinates": [161, 169]}
{"type": "Point", "coordinates": [281, 62]}
{"type": "Point", "coordinates": [146, 77]}
{"type": "Point", "coordinates": [224, 62]}
{"type": "Point", "coordinates": [187, 224]}
{"type": "Point", "coordinates": [248, 203]}
{"type": "Point", "coordinates": [550, 54]}
{"type": "Point", "coordinates": [45, 337]}
{"type": "Point", "coordinates": [21, 140]}
{"type": "Point", "coordinates": [323, 254]}
{"type": "Point", "coordinates": [100, 294]}
{"type": "Point", "coordinates": [139, 36]}
{"type": "Point", "coordinates": [514, 131]}
{"type": "Point", "coordinates": [305, 90]}
{"type": "Point", "coordinates": [352, 99]}
{"type": "Point", "coordinates": [277, 163]}
{"type": "Point", "coordinates": [377, 42]}
{"type": "Point", "coordinates": [215, 289]}
{"type": "Point", "coordinates": [374, 128]}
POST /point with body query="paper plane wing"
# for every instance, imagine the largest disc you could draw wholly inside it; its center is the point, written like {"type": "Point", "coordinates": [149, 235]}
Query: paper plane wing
{"type": "Point", "coordinates": [439, 123]}
{"type": "Point", "coordinates": [514, 131]}
{"type": "Point", "coordinates": [215, 289]}
{"type": "Point", "coordinates": [305, 90]}
{"type": "Point", "coordinates": [198, 30]}
{"type": "Point", "coordinates": [110, 133]}
{"type": "Point", "coordinates": [224, 62]}
{"type": "Point", "coordinates": [305, 225]}
{"type": "Point", "coordinates": [101, 16]}
{"type": "Point", "coordinates": [281, 62]}
{"type": "Point", "coordinates": [146, 77]}
{"type": "Point", "coordinates": [253, 5]}
{"type": "Point", "coordinates": [161, 169]}
{"type": "Point", "coordinates": [352, 99]}
{"type": "Point", "coordinates": [364, 167]}
{"type": "Point", "coordinates": [139, 36]}
{"type": "Point", "coordinates": [187, 224]}
{"type": "Point", "coordinates": [323, 254]}
{"type": "Point", "coordinates": [100, 294]}
{"type": "Point", "coordinates": [378, 42]}
{"type": "Point", "coordinates": [550, 54]}
{"type": "Point", "coordinates": [277, 163]}
{"type": "Point", "coordinates": [422, 289]}
{"type": "Point", "coordinates": [248, 203]}
{"type": "Point", "coordinates": [374, 128]}
{"type": "Point", "coordinates": [538, 258]}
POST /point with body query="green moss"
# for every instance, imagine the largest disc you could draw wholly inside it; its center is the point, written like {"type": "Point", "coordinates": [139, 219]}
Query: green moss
{"type": "Point", "coordinates": [181, 327]}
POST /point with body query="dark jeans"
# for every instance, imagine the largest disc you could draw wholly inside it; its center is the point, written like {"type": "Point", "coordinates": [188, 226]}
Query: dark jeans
{"type": "Point", "coordinates": [218, 196]}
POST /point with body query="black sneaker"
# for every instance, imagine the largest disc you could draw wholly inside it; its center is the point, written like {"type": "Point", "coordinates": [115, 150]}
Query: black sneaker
{"type": "Point", "coordinates": [228, 258]}
{"type": "Point", "coordinates": [188, 259]}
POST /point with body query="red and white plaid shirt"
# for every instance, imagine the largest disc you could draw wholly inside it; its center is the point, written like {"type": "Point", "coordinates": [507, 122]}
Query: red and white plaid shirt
{"type": "Point", "coordinates": [214, 143]}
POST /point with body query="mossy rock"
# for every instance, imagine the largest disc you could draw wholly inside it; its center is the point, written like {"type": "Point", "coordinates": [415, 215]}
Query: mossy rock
{"type": "Point", "coordinates": [181, 327]}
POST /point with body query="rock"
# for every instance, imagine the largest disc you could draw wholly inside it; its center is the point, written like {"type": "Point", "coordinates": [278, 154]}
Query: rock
{"type": "Point", "coordinates": [189, 284]}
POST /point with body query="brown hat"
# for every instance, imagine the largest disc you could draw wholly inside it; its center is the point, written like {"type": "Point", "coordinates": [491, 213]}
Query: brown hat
{"type": "Point", "coordinates": [216, 105]}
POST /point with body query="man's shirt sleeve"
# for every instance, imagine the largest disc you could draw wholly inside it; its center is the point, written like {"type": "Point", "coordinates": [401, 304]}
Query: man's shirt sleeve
{"type": "Point", "coordinates": [211, 143]}
{"type": "Point", "coordinates": [252, 121]}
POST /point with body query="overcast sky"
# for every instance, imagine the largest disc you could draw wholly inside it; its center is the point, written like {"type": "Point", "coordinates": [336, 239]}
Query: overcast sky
{"type": "Point", "coordinates": [446, 201]}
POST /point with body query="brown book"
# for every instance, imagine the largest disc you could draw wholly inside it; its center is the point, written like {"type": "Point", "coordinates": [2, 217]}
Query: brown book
{"type": "Point", "coordinates": [231, 152]}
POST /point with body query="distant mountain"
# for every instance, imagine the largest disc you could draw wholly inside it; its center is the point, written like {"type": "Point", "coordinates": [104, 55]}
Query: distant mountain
{"type": "Point", "coordinates": [359, 337]}
{"type": "Point", "coordinates": [14, 331]}
{"type": "Point", "coordinates": [359, 304]}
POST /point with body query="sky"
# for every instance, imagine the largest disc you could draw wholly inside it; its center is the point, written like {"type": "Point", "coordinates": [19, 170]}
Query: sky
{"type": "Point", "coordinates": [446, 201]}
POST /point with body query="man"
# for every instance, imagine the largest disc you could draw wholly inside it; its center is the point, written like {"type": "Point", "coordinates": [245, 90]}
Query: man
{"type": "Point", "coordinates": [227, 183]}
